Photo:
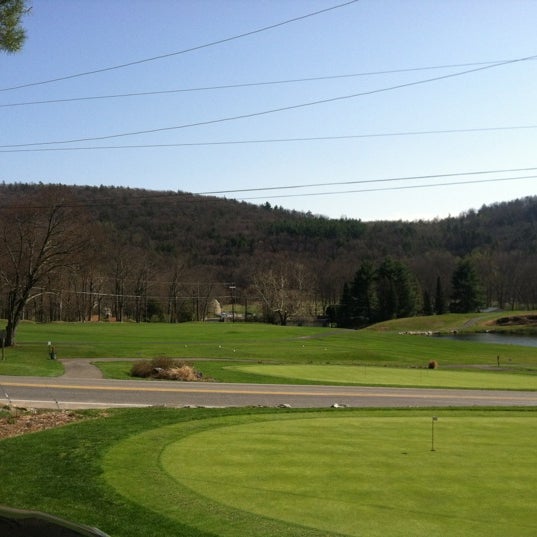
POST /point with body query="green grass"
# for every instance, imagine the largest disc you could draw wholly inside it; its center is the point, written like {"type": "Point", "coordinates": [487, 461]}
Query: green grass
{"type": "Point", "coordinates": [460, 322]}
{"type": "Point", "coordinates": [356, 475]}
{"type": "Point", "coordinates": [388, 376]}
{"type": "Point", "coordinates": [264, 472]}
{"type": "Point", "coordinates": [131, 340]}
{"type": "Point", "coordinates": [22, 360]}
{"type": "Point", "coordinates": [222, 371]}
{"type": "Point", "coordinates": [214, 346]}
{"type": "Point", "coordinates": [215, 472]}
{"type": "Point", "coordinates": [360, 375]}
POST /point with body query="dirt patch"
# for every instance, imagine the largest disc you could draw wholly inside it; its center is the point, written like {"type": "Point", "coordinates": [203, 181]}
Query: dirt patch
{"type": "Point", "coordinates": [517, 320]}
{"type": "Point", "coordinates": [18, 421]}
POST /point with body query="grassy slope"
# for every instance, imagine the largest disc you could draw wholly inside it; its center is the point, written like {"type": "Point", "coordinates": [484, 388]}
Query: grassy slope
{"type": "Point", "coordinates": [59, 472]}
{"type": "Point", "coordinates": [460, 322]}
{"type": "Point", "coordinates": [68, 471]}
{"type": "Point", "coordinates": [224, 344]}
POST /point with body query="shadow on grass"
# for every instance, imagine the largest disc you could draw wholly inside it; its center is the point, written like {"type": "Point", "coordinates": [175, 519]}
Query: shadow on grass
{"type": "Point", "coordinates": [22, 523]}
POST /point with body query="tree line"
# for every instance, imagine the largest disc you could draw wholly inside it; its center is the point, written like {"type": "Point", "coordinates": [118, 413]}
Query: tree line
{"type": "Point", "coordinates": [390, 291]}
{"type": "Point", "coordinates": [83, 253]}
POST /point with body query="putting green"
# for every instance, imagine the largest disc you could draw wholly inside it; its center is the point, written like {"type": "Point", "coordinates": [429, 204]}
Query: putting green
{"type": "Point", "coordinates": [349, 474]}
{"type": "Point", "coordinates": [390, 376]}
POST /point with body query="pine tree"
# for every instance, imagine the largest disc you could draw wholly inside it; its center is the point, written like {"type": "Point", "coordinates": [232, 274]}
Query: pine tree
{"type": "Point", "coordinates": [345, 309]}
{"type": "Point", "coordinates": [427, 305]}
{"type": "Point", "coordinates": [439, 300]}
{"type": "Point", "coordinates": [12, 34]}
{"type": "Point", "coordinates": [386, 290]}
{"type": "Point", "coordinates": [465, 297]}
{"type": "Point", "coordinates": [397, 294]}
{"type": "Point", "coordinates": [364, 295]}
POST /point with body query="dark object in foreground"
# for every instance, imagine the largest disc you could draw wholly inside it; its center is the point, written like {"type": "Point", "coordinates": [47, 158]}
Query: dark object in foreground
{"type": "Point", "coordinates": [20, 523]}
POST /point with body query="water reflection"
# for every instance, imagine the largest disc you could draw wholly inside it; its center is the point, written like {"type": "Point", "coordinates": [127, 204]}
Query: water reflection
{"type": "Point", "coordinates": [496, 339]}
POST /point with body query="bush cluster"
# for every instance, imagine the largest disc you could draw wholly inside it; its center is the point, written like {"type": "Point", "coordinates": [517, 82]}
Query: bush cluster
{"type": "Point", "coordinates": [166, 369]}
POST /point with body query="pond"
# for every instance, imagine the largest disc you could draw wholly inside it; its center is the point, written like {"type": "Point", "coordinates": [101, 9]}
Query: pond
{"type": "Point", "coordinates": [495, 338]}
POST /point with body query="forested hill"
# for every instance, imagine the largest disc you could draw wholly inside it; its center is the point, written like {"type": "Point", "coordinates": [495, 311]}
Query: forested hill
{"type": "Point", "coordinates": [228, 241]}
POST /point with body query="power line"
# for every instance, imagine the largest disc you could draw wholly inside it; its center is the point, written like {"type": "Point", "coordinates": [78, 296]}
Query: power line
{"type": "Point", "coordinates": [243, 85]}
{"type": "Point", "coordinates": [363, 181]}
{"type": "Point", "coordinates": [193, 199]}
{"type": "Point", "coordinates": [275, 140]}
{"type": "Point", "coordinates": [273, 110]}
{"type": "Point", "coordinates": [184, 51]}
{"type": "Point", "coordinates": [407, 187]}
{"type": "Point", "coordinates": [171, 297]}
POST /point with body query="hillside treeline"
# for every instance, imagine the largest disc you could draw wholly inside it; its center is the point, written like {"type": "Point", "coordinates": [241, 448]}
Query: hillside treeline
{"type": "Point", "coordinates": [146, 255]}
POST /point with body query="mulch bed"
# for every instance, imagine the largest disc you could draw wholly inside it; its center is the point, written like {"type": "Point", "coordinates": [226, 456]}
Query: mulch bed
{"type": "Point", "coordinates": [18, 421]}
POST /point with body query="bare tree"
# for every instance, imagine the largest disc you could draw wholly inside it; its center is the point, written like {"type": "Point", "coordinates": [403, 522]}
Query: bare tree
{"type": "Point", "coordinates": [283, 291]}
{"type": "Point", "coordinates": [175, 290]}
{"type": "Point", "coordinates": [142, 282]}
{"type": "Point", "coordinates": [119, 261]}
{"type": "Point", "coordinates": [38, 239]}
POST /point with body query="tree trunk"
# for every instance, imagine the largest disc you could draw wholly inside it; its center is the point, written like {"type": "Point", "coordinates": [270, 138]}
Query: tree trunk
{"type": "Point", "coordinates": [16, 308]}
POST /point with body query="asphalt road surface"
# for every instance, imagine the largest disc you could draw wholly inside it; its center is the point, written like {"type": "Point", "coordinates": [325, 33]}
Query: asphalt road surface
{"type": "Point", "coordinates": [70, 393]}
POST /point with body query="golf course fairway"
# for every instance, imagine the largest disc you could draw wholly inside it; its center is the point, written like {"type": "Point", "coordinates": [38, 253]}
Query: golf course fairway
{"type": "Point", "coordinates": [394, 376]}
{"type": "Point", "coordinates": [341, 473]}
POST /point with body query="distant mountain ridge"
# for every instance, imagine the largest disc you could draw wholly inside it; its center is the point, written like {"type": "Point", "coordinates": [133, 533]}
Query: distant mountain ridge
{"type": "Point", "coordinates": [223, 240]}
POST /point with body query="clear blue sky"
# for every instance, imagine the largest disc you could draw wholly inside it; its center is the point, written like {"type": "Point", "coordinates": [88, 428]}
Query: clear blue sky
{"type": "Point", "coordinates": [67, 37]}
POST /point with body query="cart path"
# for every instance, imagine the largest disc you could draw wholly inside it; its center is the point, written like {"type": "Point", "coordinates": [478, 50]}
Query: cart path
{"type": "Point", "coordinates": [85, 368]}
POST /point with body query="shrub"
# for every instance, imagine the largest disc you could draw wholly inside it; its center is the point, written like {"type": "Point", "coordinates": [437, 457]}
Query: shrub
{"type": "Point", "coordinates": [185, 373]}
{"type": "Point", "coordinates": [163, 362]}
{"type": "Point", "coordinates": [141, 369]}
{"type": "Point", "coordinates": [166, 369]}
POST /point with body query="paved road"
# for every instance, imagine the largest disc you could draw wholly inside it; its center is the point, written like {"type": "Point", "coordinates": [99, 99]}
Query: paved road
{"type": "Point", "coordinates": [65, 392]}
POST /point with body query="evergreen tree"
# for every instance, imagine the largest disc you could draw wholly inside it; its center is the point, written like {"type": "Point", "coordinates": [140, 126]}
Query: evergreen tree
{"type": "Point", "coordinates": [439, 300]}
{"type": "Point", "coordinates": [386, 290]}
{"type": "Point", "coordinates": [465, 297]}
{"type": "Point", "coordinates": [12, 34]}
{"type": "Point", "coordinates": [364, 296]}
{"type": "Point", "coordinates": [427, 305]}
{"type": "Point", "coordinates": [397, 294]}
{"type": "Point", "coordinates": [408, 292]}
{"type": "Point", "coordinates": [344, 311]}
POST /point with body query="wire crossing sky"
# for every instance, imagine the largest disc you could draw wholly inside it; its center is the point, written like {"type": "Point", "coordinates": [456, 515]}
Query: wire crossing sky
{"type": "Point", "coordinates": [258, 94]}
{"type": "Point", "coordinates": [240, 85]}
{"type": "Point", "coordinates": [271, 111]}
{"type": "Point", "coordinates": [176, 53]}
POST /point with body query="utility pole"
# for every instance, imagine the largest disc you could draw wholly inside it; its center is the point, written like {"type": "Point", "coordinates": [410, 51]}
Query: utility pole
{"type": "Point", "coordinates": [232, 289]}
